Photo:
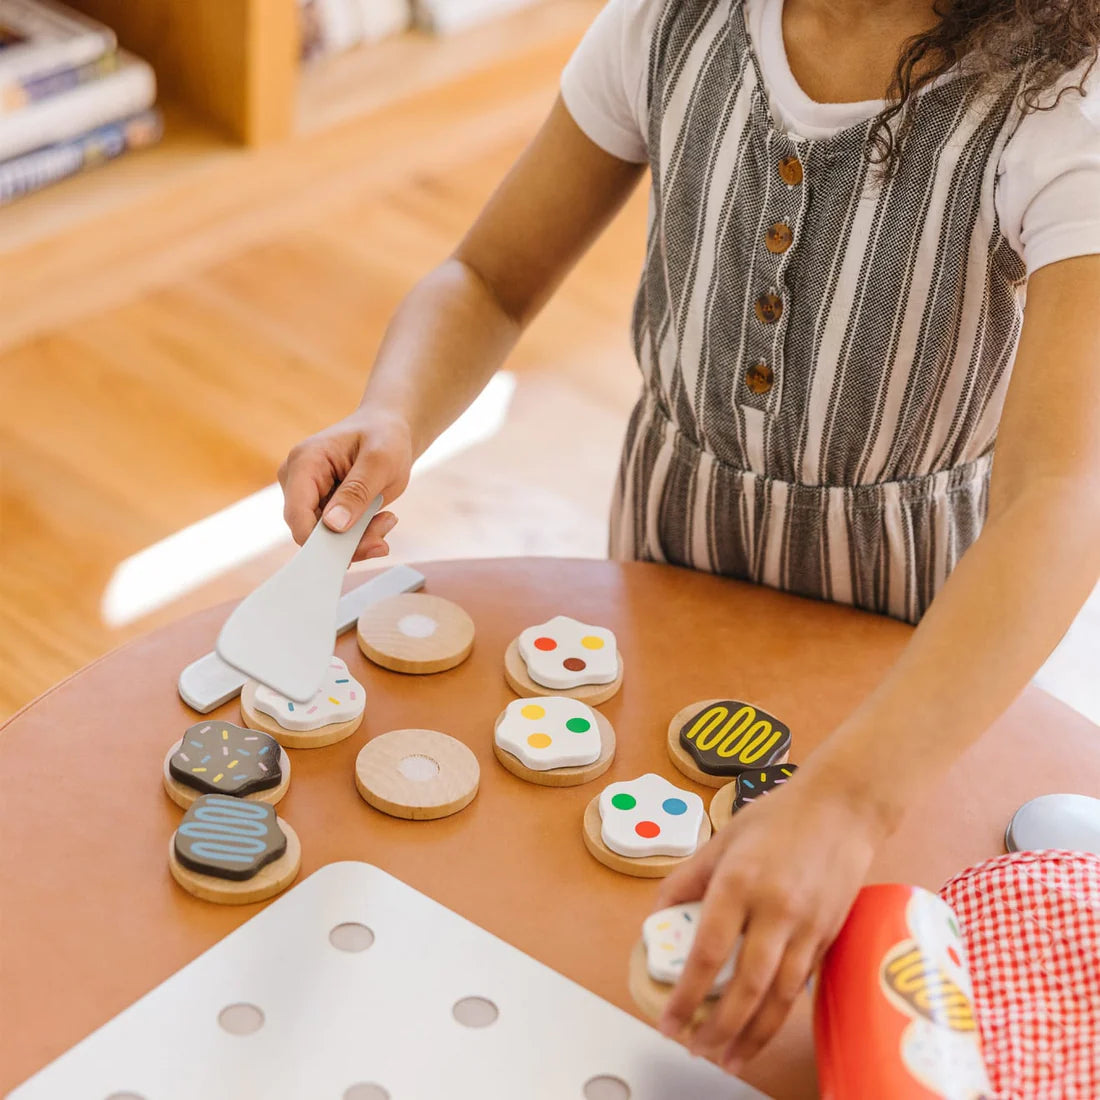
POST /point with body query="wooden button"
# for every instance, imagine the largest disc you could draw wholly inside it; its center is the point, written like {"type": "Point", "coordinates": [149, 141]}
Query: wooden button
{"type": "Point", "coordinates": [769, 308]}
{"type": "Point", "coordinates": [778, 238]}
{"type": "Point", "coordinates": [759, 378]}
{"type": "Point", "coordinates": [790, 170]}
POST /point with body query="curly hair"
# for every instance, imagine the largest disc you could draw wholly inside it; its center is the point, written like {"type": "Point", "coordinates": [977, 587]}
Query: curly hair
{"type": "Point", "coordinates": [1036, 42]}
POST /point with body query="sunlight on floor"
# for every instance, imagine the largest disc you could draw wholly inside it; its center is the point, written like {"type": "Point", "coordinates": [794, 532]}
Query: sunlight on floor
{"type": "Point", "coordinates": [202, 551]}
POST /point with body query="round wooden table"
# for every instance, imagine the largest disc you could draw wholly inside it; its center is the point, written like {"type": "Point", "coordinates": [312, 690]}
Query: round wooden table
{"type": "Point", "coordinates": [90, 918]}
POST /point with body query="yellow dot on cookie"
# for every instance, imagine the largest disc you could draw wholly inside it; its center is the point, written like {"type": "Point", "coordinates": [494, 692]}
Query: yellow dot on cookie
{"type": "Point", "coordinates": [590, 641]}
{"type": "Point", "coordinates": [533, 711]}
{"type": "Point", "coordinates": [539, 740]}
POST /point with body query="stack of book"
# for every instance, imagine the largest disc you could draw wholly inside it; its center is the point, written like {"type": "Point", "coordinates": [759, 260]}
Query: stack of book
{"type": "Point", "coordinates": [69, 97]}
{"type": "Point", "coordinates": [332, 26]}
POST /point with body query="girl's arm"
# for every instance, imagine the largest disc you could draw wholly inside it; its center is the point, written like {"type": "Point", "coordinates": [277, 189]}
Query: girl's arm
{"type": "Point", "coordinates": [786, 871]}
{"type": "Point", "coordinates": [456, 327]}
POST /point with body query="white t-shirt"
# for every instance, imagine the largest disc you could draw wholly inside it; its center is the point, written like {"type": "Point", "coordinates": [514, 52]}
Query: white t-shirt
{"type": "Point", "coordinates": [1048, 192]}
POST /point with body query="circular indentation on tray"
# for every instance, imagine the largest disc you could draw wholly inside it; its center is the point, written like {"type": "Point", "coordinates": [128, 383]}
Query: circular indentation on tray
{"type": "Point", "coordinates": [606, 1088]}
{"type": "Point", "coordinates": [241, 1019]}
{"type": "Point", "coordinates": [475, 1012]}
{"type": "Point", "coordinates": [417, 626]}
{"type": "Point", "coordinates": [418, 768]}
{"type": "Point", "coordinates": [125, 1096]}
{"type": "Point", "coordinates": [366, 1090]}
{"type": "Point", "coordinates": [351, 936]}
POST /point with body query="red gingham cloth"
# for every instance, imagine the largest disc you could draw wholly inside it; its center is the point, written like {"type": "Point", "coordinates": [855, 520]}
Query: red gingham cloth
{"type": "Point", "coordinates": [1031, 921]}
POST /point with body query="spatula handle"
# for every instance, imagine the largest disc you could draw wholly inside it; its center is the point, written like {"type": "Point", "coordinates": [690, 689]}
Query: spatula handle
{"type": "Point", "coordinates": [337, 548]}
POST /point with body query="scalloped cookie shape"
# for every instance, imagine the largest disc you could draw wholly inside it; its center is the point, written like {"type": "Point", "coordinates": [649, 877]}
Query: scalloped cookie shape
{"type": "Point", "coordinates": [669, 935]}
{"type": "Point", "coordinates": [648, 816]}
{"type": "Point", "coordinates": [563, 653]}
{"type": "Point", "coordinates": [552, 731]}
{"type": "Point", "coordinates": [341, 698]}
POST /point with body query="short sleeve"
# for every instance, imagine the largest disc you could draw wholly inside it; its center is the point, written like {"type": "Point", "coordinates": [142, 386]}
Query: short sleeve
{"type": "Point", "coordinates": [603, 85]}
{"type": "Point", "coordinates": [1048, 196]}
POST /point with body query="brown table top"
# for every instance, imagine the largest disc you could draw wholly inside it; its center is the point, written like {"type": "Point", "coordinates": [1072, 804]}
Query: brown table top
{"type": "Point", "coordinates": [90, 918]}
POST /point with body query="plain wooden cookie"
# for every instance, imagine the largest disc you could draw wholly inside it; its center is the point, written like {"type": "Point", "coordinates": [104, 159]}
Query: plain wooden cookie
{"type": "Point", "coordinates": [684, 760]}
{"type": "Point", "coordinates": [417, 774]}
{"type": "Point", "coordinates": [269, 880]}
{"type": "Point", "coordinates": [293, 739]}
{"type": "Point", "coordinates": [515, 673]}
{"type": "Point", "coordinates": [562, 777]}
{"type": "Point", "coordinates": [183, 796]}
{"type": "Point", "coordinates": [647, 866]}
{"type": "Point", "coordinates": [416, 633]}
{"type": "Point", "coordinates": [721, 806]}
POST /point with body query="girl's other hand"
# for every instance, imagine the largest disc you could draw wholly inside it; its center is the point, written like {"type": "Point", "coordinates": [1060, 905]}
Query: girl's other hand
{"type": "Point", "coordinates": [783, 874]}
{"type": "Point", "coordinates": [340, 470]}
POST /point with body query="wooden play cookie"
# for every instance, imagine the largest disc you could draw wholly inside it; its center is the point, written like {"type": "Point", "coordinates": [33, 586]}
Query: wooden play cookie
{"type": "Point", "coordinates": [658, 959]}
{"type": "Point", "coordinates": [554, 741]}
{"type": "Point", "coordinates": [335, 712]}
{"type": "Point", "coordinates": [232, 851]}
{"type": "Point", "coordinates": [220, 758]}
{"type": "Point", "coordinates": [645, 827]}
{"type": "Point", "coordinates": [565, 657]}
{"type": "Point", "coordinates": [746, 788]}
{"type": "Point", "coordinates": [417, 633]}
{"type": "Point", "coordinates": [714, 740]}
{"type": "Point", "coordinates": [417, 774]}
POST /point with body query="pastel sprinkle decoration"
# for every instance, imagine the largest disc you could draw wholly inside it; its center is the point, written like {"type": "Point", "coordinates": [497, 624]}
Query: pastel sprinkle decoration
{"type": "Point", "coordinates": [668, 936]}
{"type": "Point", "coordinates": [235, 763]}
{"type": "Point", "coordinates": [339, 699]}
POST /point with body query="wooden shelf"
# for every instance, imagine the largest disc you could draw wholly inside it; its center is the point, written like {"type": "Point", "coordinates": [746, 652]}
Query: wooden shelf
{"type": "Point", "coordinates": [335, 89]}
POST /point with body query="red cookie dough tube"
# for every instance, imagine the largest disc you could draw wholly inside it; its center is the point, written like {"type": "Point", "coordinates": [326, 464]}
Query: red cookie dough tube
{"type": "Point", "coordinates": [894, 1012]}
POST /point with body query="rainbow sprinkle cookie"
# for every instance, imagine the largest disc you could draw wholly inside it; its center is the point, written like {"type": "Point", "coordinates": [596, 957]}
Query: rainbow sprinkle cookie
{"type": "Point", "coordinates": [750, 785]}
{"type": "Point", "coordinates": [341, 698]}
{"type": "Point", "coordinates": [668, 936]}
{"type": "Point", "coordinates": [221, 758]}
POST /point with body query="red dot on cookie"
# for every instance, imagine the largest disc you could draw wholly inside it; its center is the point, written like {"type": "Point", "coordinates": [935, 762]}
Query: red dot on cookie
{"type": "Point", "coordinates": [574, 664]}
{"type": "Point", "coordinates": [953, 955]}
{"type": "Point", "coordinates": [648, 829]}
{"type": "Point", "coordinates": [545, 644]}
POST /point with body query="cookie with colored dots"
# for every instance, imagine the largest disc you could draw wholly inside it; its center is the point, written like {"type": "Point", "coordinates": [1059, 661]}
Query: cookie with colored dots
{"type": "Point", "coordinates": [220, 758]}
{"type": "Point", "coordinates": [658, 960]}
{"type": "Point", "coordinates": [554, 741]}
{"type": "Point", "coordinates": [416, 633]}
{"type": "Point", "coordinates": [714, 741]}
{"type": "Point", "coordinates": [746, 788]}
{"type": "Point", "coordinates": [645, 827]}
{"type": "Point", "coordinates": [565, 657]}
{"type": "Point", "coordinates": [334, 712]}
{"type": "Point", "coordinates": [233, 851]}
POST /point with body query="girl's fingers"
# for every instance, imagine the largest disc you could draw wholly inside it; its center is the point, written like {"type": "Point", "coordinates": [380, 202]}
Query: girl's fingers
{"type": "Point", "coordinates": [306, 477]}
{"type": "Point", "coordinates": [373, 542]}
{"type": "Point", "coordinates": [794, 971]}
{"type": "Point", "coordinates": [761, 955]}
{"type": "Point", "coordinates": [720, 922]}
{"type": "Point", "coordinates": [365, 480]}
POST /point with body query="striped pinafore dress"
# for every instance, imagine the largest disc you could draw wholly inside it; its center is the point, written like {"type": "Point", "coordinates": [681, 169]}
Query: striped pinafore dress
{"type": "Point", "coordinates": [824, 357]}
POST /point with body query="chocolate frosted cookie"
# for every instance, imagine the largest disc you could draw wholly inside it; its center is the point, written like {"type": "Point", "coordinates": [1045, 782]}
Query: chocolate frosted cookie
{"type": "Point", "coordinates": [221, 758]}
{"type": "Point", "coordinates": [752, 784]}
{"type": "Point", "coordinates": [228, 838]}
{"type": "Point", "coordinates": [726, 737]}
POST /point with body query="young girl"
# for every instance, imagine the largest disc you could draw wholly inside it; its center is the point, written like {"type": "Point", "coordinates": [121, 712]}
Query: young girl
{"type": "Point", "coordinates": [851, 201]}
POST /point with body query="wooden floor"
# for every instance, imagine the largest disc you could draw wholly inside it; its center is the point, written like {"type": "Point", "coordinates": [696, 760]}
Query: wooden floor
{"type": "Point", "coordinates": [156, 367]}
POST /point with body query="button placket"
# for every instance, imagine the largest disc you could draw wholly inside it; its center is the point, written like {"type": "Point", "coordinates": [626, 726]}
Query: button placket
{"type": "Point", "coordinates": [760, 384]}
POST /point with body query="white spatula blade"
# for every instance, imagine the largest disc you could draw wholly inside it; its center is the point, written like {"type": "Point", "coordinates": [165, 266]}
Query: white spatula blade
{"type": "Point", "coordinates": [283, 634]}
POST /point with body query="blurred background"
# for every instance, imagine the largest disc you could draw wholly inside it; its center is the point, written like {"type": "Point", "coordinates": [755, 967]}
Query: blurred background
{"type": "Point", "coordinates": [208, 211]}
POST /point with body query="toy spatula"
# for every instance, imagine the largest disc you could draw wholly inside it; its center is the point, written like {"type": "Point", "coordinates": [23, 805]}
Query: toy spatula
{"type": "Point", "coordinates": [283, 633]}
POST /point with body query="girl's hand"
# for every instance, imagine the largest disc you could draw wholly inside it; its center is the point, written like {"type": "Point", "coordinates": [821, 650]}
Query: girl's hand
{"type": "Point", "coordinates": [367, 453]}
{"type": "Point", "coordinates": [784, 873]}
